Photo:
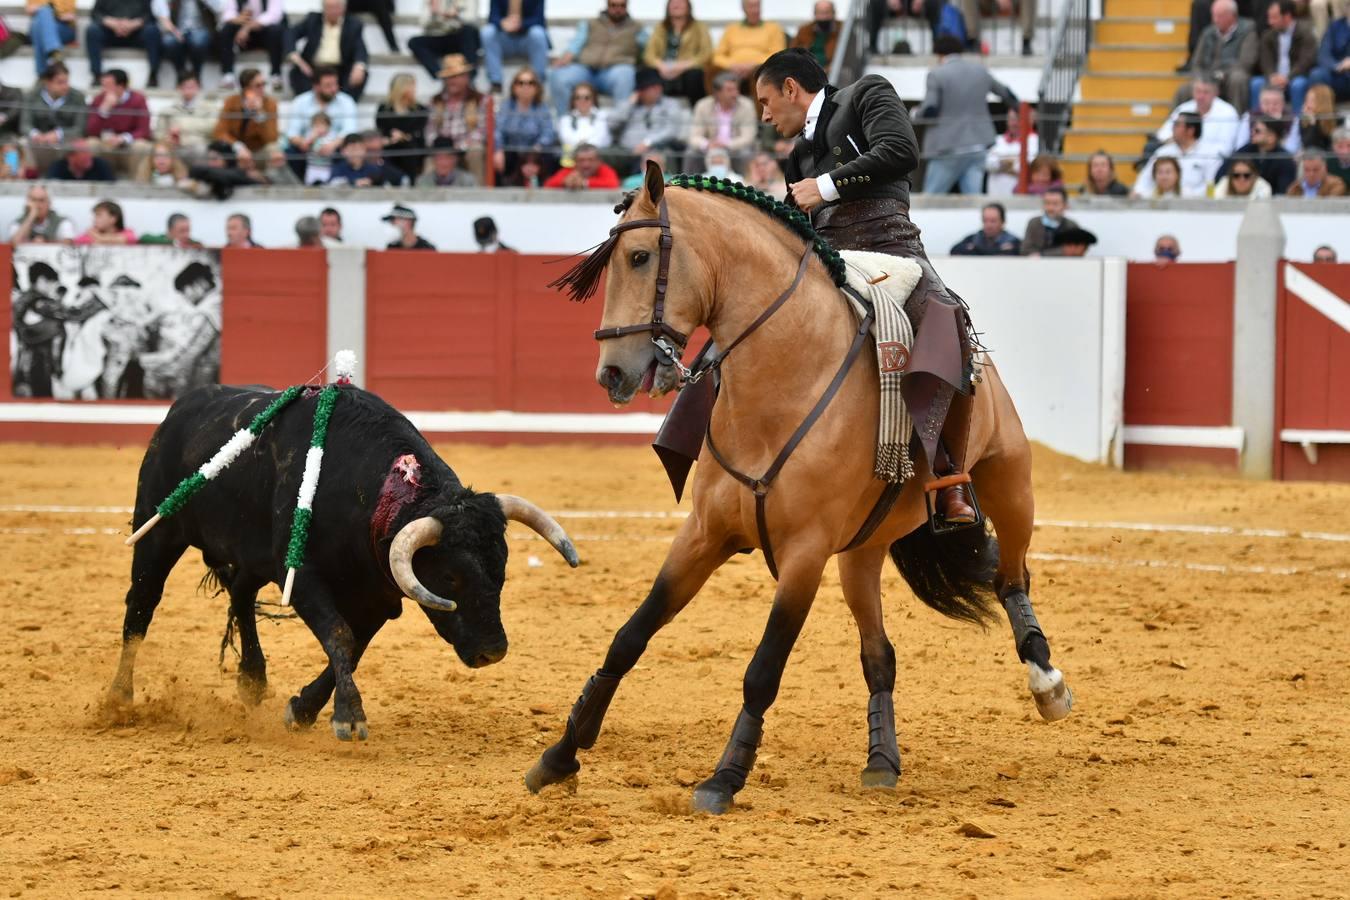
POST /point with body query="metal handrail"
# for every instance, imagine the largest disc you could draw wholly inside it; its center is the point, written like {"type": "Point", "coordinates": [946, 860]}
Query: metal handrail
{"type": "Point", "coordinates": [1063, 67]}
{"type": "Point", "coordinates": [850, 53]}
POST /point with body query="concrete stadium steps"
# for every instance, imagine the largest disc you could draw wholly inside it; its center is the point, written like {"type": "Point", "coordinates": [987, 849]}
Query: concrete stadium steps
{"type": "Point", "coordinates": [1129, 87]}
{"type": "Point", "coordinates": [1171, 30]}
{"type": "Point", "coordinates": [1121, 143]}
{"type": "Point", "coordinates": [1142, 58]}
{"type": "Point", "coordinates": [1119, 113]}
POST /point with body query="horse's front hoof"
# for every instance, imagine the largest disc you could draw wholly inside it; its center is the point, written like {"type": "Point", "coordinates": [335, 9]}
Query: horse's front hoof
{"type": "Point", "coordinates": [1051, 692]}
{"type": "Point", "coordinates": [295, 719]}
{"type": "Point", "coordinates": [542, 774]}
{"type": "Point", "coordinates": [880, 778]}
{"type": "Point", "coordinates": [712, 798]}
{"type": "Point", "coordinates": [350, 731]}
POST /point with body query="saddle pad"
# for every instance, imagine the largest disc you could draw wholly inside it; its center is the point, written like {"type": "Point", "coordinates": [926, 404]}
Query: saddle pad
{"type": "Point", "coordinates": [887, 281]}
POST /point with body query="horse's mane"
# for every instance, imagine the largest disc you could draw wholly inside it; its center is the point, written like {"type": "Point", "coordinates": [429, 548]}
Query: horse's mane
{"type": "Point", "coordinates": [582, 280]}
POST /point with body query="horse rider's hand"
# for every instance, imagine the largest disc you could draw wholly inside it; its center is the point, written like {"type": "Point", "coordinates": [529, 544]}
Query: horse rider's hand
{"type": "Point", "coordinates": [807, 194]}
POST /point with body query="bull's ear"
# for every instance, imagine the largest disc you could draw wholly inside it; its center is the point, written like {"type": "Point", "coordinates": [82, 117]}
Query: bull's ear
{"type": "Point", "coordinates": [655, 182]}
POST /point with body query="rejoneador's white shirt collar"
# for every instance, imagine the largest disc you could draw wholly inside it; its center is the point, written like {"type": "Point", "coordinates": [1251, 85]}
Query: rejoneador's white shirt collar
{"type": "Point", "coordinates": [813, 114]}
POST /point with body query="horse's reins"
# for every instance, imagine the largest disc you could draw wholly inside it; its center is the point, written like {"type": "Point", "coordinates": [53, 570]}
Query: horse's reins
{"type": "Point", "coordinates": [670, 355]}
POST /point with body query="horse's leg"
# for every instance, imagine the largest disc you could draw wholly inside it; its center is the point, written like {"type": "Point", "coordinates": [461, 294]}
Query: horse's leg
{"type": "Point", "coordinates": [693, 557]}
{"type": "Point", "coordinates": [1004, 485]}
{"type": "Point", "coordinates": [860, 575]}
{"type": "Point", "coordinates": [797, 584]}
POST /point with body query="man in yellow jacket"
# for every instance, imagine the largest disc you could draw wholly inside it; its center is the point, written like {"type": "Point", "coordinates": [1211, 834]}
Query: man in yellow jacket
{"type": "Point", "coordinates": [746, 44]}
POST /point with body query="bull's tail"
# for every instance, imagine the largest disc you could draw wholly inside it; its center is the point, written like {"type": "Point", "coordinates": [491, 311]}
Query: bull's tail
{"type": "Point", "coordinates": [951, 572]}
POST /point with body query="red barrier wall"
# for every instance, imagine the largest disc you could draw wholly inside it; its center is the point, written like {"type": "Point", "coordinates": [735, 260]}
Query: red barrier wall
{"type": "Point", "coordinates": [274, 315]}
{"type": "Point", "coordinates": [1178, 355]}
{"type": "Point", "coordinates": [1313, 388]}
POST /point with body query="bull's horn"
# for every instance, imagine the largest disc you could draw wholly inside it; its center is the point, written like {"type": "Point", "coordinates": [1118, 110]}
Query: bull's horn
{"type": "Point", "coordinates": [412, 537]}
{"type": "Point", "coordinates": [526, 513]}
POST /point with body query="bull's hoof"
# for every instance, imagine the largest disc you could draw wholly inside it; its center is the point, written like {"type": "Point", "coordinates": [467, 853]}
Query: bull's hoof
{"type": "Point", "coordinates": [880, 778]}
{"type": "Point", "coordinates": [296, 720]}
{"type": "Point", "coordinates": [712, 797]}
{"type": "Point", "coordinates": [350, 731]}
{"type": "Point", "coordinates": [543, 773]}
{"type": "Point", "coordinates": [1051, 692]}
{"type": "Point", "coordinates": [252, 689]}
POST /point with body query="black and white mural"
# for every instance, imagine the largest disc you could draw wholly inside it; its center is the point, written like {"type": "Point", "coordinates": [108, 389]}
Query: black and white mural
{"type": "Point", "coordinates": [92, 323]}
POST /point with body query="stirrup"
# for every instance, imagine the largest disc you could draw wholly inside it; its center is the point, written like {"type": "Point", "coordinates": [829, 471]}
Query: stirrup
{"type": "Point", "coordinates": [936, 522]}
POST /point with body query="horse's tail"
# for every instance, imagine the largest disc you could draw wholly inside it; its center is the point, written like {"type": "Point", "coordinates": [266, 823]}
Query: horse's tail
{"type": "Point", "coordinates": [952, 572]}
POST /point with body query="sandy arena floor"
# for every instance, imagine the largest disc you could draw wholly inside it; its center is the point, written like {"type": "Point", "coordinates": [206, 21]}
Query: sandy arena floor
{"type": "Point", "coordinates": [1207, 754]}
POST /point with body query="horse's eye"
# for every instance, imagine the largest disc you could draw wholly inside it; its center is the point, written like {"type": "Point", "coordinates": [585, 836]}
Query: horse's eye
{"type": "Point", "coordinates": [639, 257]}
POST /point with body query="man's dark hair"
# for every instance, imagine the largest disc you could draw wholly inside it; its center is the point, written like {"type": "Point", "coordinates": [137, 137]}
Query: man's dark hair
{"type": "Point", "coordinates": [1002, 211]}
{"type": "Point", "coordinates": [354, 138]}
{"type": "Point", "coordinates": [248, 223]}
{"type": "Point", "coordinates": [329, 211]}
{"type": "Point", "coordinates": [41, 270]}
{"type": "Point", "coordinates": [796, 63]}
{"type": "Point", "coordinates": [174, 219]}
{"type": "Point", "coordinates": [193, 273]}
{"type": "Point", "coordinates": [322, 72]}
{"type": "Point", "coordinates": [1063, 194]}
{"type": "Point", "coordinates": [119, 77]}
{"type": "Point", "coordinates": [947, 45]}
{"type": "Point", "coordinates": [1276, 126]}
{"type": "Point", "coordinates": [1193, 123]}
{"type": "Point", "coordinates": [1287, 7]}
{"type": "Point", "coordinates": [56, 68]}
{"type": "Point", "coordinates": [188, 75]}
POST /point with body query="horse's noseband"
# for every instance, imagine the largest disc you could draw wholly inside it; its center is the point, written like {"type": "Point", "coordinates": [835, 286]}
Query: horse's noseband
{"type": "Point", "coordinates": [669, 342]}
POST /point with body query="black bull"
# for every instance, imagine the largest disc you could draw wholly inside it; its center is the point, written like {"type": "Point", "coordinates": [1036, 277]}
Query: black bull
{"type": "Point", "coordinates": [384, 498]}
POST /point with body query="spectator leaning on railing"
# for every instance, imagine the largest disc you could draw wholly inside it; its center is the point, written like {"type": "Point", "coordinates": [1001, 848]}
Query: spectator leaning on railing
{"type": "Point", "coordinates": [403, 122]}
{"type": "Point", "coordinates": [53, 112]}
{"type": "Point", "coordinates": [604, 53]}
{"type": "Point", "coordinates": [514, 28]}
{"type": "Point", "coordinates": [122, 23]}
{"type": "Point", "coordinates": [993, 238]}
{"type": "Point", "coordinates": [680, 48]}
{"type": "Point", "coordinates": [445, 31]}
{"type": "Point", "coordinates": [119, 122]}
{"type": "Point", "coordinates": [724, 120]}
{"type": "Point", "coordinates": [40, 223]}
{"type": "Point", "coordinates": [252, 25]}
{"type": "Point", "coordinates": [248, 119]}
{"type": "Point", "coordinates": [51, 28]}
{"type": "Point", "coordinates": [332, 39]}
{"type": "Point", "coordinates": [746, 44]}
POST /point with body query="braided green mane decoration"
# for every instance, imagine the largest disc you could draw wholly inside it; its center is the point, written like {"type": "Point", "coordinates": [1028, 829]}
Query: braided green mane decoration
{"type": "Point", "coordinates": [793, 218]}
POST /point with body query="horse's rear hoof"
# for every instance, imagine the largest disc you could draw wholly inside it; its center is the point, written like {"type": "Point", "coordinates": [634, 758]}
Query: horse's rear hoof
{"type": "Point", "coordinates": [541, 775]}
{"type": "Point", "coordinates": [252, 689]}
{"type": "Point", "coordinates": [880, 778]}
{"type": "Point", "coordinates": [296, 721]}
{"type": "Point", "coordinates": [1051, 692]}
{"type": "Point", "coordinates": [350, 731]}
{"type": "Point", "coordinates": [710, 797]}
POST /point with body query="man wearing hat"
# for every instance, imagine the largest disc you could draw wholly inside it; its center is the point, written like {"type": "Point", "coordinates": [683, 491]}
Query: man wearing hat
{"type": "Point", "coordinates": [604, 54]}
{"type": "Point", "coordinates": [405, 220]}
{"type": "Point", "coordinates": [457, 112]}
{"type": "Point", "coordinates": [485, 233]}
{"type": "Point", "coordinates": [446, 167]}
{"type": "Point", "coordinates": [514, 28]}
{"type": "Point", "coordinates": [1074, 241]}
{"type": "Point", "coordinates": [649, 120]}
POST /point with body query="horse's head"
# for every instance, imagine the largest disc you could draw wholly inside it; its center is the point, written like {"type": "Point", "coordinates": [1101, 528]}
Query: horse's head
{"type": "Point", "coordinates": [653, 296]}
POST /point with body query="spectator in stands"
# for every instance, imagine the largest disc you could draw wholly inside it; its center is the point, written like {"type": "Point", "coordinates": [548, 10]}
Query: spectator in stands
{"type": "Point", "coordinates": [604, 53]}
{"type": "Point", "coordinates": [524, 122]}
{"type": "Point", "coordinates": [1219, 116]}
{"type": "Point", "coordinates": [446, 168]}
{"type": "Point", "coordinates": [485, 235]}
{"type": "Point", "coordinates": [330, 226]}
{"type": "Point", "coordinates": [11, 108]}
{"type": "Point", "coordinates": [325, 97]}
{"type": "Point", "coordinates": [1271, 104]}
{"type": "Point", "coordinates": [354, 168]}
{"type": "Point", "coordinates": [109, 227]}
{"type": "Point", "coordinates": [960, 130]}
{"type": "Point", "coordinates": [1197, 162]}
{"type": "Point", "coordinates": [1073, 242]}
{"type": "Point", "coordinates": [239, 232]}
{"type": "Point", "coordinates": [820, 36]}
{"type": "Point", "coordinates": [993, 238]}
{"type": "Point", "coordinates": [1338, 161]}
{"type": "Point", "coordinates": [331, 39]}
{"type": "Point", "coordinates": [405, 220]}
{"type": "Point", "coordinates": [583, 123]}
{"type": "Point", "coordinates": [1313, 179]}
{"type": "Point", "coordinates": [161, 168]}
{"type": "Point", "coordinates": [1324, 254]}
{"type": "Point", "coordinates": [252, 25]}
{"type": "Point", "coordinates": [1039, 239]}
{"type": "Point", "coordinates": [318, 164]}
{"type": "Point", "coordinates": [1003, 161]}
{"type": "Point", "coordinates": [529, 171]}
{"type": "Point", "coordinates": [80, 164]}
{"type": "Point", "coordinates": [973, 10]}
{"type": "Point", "coordinates": [248, 119]}
{"type": "Point", "coordinates": [177, 233]}
{"type": "Point", "coordinates": [383, 11]}
{"type": "Point", "coordinates": [1333, 58]}
{"type": "Point", "coordinates": [1101, 177]}
{"type": "Point", "coordinates": [1318, 122]}
{"type": "Point", "coordinates": [445, 32]}
{"type": "Point", "coordinates": [717, 163]}
{"type": "Point", "coordinates": [680, 48]}
{"type": "Point", "coordinates": [587, 172]}
{"type": "Point", "coordinates": [765, 173]}
{"type": "Point", "coordinates": [119, 122]}
{"type": "Point", "coordinates": [403, 122]}
{"type": "Point", "coordinates": [1287, 51]}
{"type": "Point", "coordinates": [190, 122]}
{"type": "Point", "coordinates": [648, 121]}
{"type": "Point", "coordinates": [1043, 174]}
{"type": "Point", "coordinates": [187, 29]}
{"type": "Point", "coordinates": [456, 113]}
{"type": "Point", "coordinates": [1223, 54]}
{"type": "Point", "coordinates": [40, 224]}
{"type": "Point", "coordinates": [746, 44]}
{"type": "Point", "coordinates": [1271, 161]}
{"type": "Point", "coordinates": [1164, 179]}
{"type": "Point", "coordinates": [122, 23]}
{"type": "Point", "coordinates": [52, 111]}
{"type": "Point", "coordinates": [50, 29]}
{"type": "Point", "coordinates": [1166, 250]}
{"type": "Point", "coordinates": [307, 233]}
{"type": "Point", "coordinates": [725, 120]}
{"type": "Point", "coordinates": [634, 181]}
{"type": "Point", "coordinates": [390, 174]}
{"type": "Point", "coordinates": [514, 28]}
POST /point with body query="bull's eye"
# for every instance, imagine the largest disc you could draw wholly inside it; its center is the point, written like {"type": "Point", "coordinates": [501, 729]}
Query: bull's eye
{"type": "Point", "coordinates": [639, 257]}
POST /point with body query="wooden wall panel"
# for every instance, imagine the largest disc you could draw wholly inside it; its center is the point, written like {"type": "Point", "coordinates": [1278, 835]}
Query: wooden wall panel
{"type": "Point", "coordinates": [275, 316]}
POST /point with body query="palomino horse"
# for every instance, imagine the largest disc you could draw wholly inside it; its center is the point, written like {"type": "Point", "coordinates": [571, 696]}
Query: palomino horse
{"type": "Point", "coordinates": [717, 260]}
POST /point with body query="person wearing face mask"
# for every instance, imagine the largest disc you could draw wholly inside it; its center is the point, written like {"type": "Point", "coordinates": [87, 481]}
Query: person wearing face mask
{"type": "Point", "coordinates": [1166, 250]}
{"type": "Point", "coordinates": [821, 35]}
{"type": "Point", "coordinates": [717, 164]}
{"type": "Point", "coordinates": [405, 220]}
{"type": "Point", "coordinates": [1039, 239]}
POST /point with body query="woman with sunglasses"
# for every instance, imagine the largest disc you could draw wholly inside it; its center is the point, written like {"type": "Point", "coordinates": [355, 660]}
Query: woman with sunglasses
{"type": "Point", "coordinates": [1242, 180]}
{"type": "Point", "coordinates": [524, 122]}
{"type": "Point", "coordinates": [583, 123]}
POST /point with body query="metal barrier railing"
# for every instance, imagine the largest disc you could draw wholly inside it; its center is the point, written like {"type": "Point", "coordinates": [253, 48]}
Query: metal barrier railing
{"type": "Point", "coordinates": [1064, 64]}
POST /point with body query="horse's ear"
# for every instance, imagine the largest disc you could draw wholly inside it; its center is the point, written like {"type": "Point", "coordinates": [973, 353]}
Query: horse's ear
{"type": "Point", "coordinates": [655, 182]}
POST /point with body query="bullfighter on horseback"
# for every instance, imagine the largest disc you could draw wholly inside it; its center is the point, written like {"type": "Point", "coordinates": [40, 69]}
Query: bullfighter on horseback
{"type": "Point", "coordinates": [850, 171]}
